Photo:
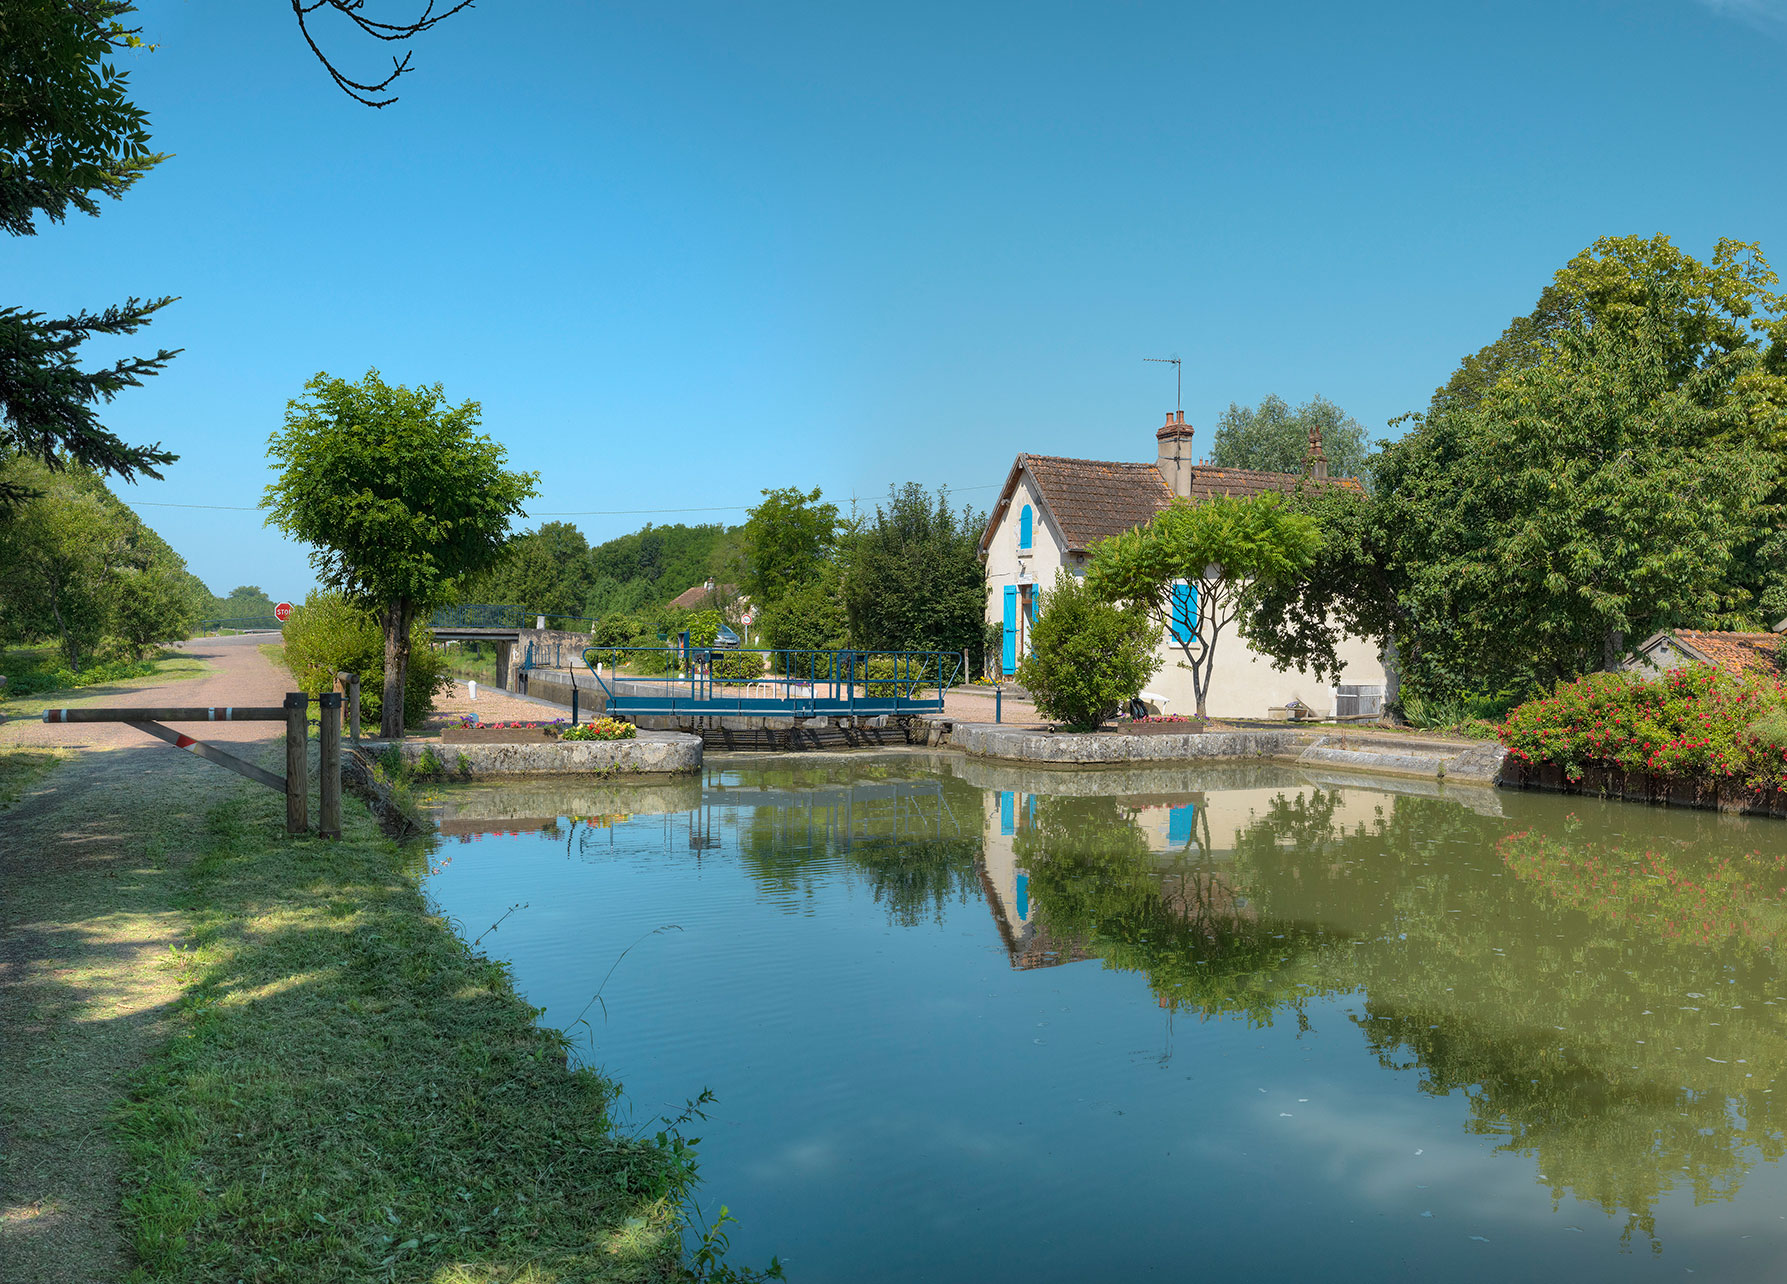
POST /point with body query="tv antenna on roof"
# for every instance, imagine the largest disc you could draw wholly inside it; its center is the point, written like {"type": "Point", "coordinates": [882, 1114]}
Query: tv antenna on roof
{"type": "Point", "coordinates": [1178, 380]}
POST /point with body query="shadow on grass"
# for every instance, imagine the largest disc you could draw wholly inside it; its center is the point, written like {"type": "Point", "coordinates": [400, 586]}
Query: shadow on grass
{"type": "Point", "coordinates": [354, 1094]}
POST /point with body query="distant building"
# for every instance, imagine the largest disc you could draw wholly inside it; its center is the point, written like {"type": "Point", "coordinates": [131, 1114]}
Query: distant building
{"type": "Point", "coordinates": [706, 596]}
{"type": "Point", "coordinates": [1755, 654]}
{"type": "Point", "coordinates": [1052, 510]}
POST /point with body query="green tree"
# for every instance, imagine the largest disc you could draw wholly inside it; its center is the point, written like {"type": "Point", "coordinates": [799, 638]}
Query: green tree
{"type": "Point", "coordinates": [914, 581]}
{"type": "Point", "coordinates": [1192, 567]}
{"type": "Point", "coordinates": [397, 495]}
{"type": "Point", "coordinates": [786, 541]}
{"type": "Point", "coordinates": [68, 136]}
{"type": "Point", "coordinates": [1087, 656]}
{"type": "Point", "coordinates": [1274, 438]}
{"type": "Point", "coordinates": [1526, 528]}
{"type": "Point", "coordinates": [546, 570]}
{"type": "Point", "coordinates": [151, 606]}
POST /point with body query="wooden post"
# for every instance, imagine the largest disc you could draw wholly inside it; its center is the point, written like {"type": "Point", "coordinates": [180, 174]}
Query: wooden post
{"type": "Point", "coordinates": [350, 689]}
{"type": "Point", "coordinates": [297, 763]}
{"type": "Point", "coordinates": [328, 816]}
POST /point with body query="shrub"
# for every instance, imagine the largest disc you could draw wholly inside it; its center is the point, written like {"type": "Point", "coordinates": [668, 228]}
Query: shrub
{"type": "Point", "coordinates": [1087, 656]}
{"type": "Point", "coordinates": [328, 635]}
{"type": "Point", "coordinates": [737, 666]}
{"type": "Point", "coordinates": [1699, 721]}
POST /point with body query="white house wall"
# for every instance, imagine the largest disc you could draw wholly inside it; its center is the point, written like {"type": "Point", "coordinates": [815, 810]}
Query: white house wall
{"type": "Point", "coordinates": [1244, 683]}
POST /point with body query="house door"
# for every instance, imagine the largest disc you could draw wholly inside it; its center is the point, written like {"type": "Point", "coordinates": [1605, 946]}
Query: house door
{"type": "Point", "coordinates": [1026, 616]}
{"type": "Point", "coordinates": [1008, 656]}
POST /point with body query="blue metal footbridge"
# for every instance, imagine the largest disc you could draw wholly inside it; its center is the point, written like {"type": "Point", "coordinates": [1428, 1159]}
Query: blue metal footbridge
{"type": "Point", "coordinates": [711, 682]}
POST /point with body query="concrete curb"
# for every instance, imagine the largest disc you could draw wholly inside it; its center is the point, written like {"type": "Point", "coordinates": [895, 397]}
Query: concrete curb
{"type": "Point", "coordinates": [653, 752]}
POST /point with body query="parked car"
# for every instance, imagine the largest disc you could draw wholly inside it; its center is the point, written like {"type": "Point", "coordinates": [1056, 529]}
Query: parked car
{"type": "Point", "coordinates": [724, 640]}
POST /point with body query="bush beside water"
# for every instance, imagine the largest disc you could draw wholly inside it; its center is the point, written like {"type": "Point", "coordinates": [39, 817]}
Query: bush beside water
{"type": "Point", "coordinates": [1696, 722]}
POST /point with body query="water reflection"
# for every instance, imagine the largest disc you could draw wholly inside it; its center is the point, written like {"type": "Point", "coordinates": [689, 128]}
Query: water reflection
{"type": "Point", "coordinates": [1596, 989]}
{"type": "Point", "coordinates": [1562, 986]}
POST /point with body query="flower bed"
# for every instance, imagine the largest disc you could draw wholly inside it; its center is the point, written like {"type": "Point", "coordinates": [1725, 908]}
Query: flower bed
{"type": "Point", "coordinates": [601, 729]}
{"type": "Point", "coordinates": [1696, 737]}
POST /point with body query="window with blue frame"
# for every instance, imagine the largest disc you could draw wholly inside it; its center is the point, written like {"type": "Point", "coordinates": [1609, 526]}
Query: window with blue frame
{"type": "Point", "coordinates": [1185, 612]}
{"type": "Point", "coordinates": [1181, 825]}
{"type": "Point", "coordinates": [1025, 524]}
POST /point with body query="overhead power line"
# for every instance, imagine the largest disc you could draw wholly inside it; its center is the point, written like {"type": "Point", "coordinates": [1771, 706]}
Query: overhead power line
{"type": "Point", "coordinates": [581, 512]}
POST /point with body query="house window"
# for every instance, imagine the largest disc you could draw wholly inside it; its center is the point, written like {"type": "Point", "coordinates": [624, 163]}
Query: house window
{"type": "Point", "coordinates": [1025, 523]}
{"type": "Point", "coordinates": [1026, 616]}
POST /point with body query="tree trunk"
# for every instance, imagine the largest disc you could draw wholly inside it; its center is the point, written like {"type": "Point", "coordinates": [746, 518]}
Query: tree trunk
{"type": "Point", "coordinates": [1613, 649]}
{"type": "Point", "coordinates": [396, 619]}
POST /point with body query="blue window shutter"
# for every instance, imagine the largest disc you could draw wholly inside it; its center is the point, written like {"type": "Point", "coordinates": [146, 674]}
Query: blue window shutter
{"type": "Point", "coordinates": [1010, 656]}
{"type": "Point", "coordinates": [1025, 521]}
{"type": "Point", "coordinates": [1024, 897]}
{"type": "Point", "coordinates": [1007, 812]}
{"type": "Point", "coordinates": [1179, 824]}
{"type": "Point", "coordinates": [1185, 612]}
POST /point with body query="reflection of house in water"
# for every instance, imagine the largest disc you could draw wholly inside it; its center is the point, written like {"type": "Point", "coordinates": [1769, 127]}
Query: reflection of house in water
{"type": "Point", "coordinates": [1189, 837]}
{"type": "Point", "coordinates": [1172, 823]}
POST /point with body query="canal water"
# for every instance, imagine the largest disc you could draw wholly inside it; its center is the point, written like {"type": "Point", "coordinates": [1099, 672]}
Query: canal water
{"type": "Point", "coordinates": [978, 1023]}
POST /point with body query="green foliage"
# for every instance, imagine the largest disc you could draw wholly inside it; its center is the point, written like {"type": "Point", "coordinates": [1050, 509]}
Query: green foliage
{"type": "Point", "coordinates": [398, 497]}
{"type": "Point", "coordinates": [79, 567]}
{"type": "Point", "coordinates": [1694, 722]}
{"type": "Point", "coordinates": [1610, 466]}
{"type": "Point", "coordinates": [547, 570]}
{"type": "Point", "coordinates": [1087, 656]}
{"type": "Point", "coordinates": [1274, 438]}
{"type": "Point", "coordinates": [31, 672]}
{"type": "Point", "coordinates": [914, 581]}
{"type": "Point", "coordinates": [1223, 548]}
{"type": "Point", "coordinates": [737, 666]}
{"type": "Point", "coordinates": [786, 541]}
{"type": "Point", "coordinates": [328, 635]}
{"type": "Point", "coordinates": [69, 134]}
{"type": "Point", "coordinates": [811, 617]}
{"type": "Point", "coordinates": [703, 627]}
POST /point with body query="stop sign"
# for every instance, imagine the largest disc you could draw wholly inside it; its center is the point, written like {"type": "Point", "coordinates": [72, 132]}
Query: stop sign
{"type": "Point", "coordinates": [283, 612]}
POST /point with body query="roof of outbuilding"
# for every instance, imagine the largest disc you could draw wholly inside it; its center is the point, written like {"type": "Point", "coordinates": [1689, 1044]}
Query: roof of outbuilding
{"type": "Point", "coordinates": [691, 598]}
{"type": "Point", "coordinates": [1740, 653]}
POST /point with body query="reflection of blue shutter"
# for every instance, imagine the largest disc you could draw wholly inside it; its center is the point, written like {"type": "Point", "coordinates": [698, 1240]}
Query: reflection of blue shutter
{"type": "Point", "coordinates": [1023, 896]}
{"type": "Point", "coordinates": [1024, 527]}
{"type": "Point", "coordinates": [1179, 821]}
{"type": "Point", "coordinates": [1185, 612]}
{"type": "Point", "coordinates": [1010, 656]}
{"type": "Point", "coordinates": [1007, 821]}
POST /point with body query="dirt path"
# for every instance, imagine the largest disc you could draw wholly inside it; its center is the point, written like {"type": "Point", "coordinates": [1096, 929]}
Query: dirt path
{"type": "Point", "coordinates": [89, 862]}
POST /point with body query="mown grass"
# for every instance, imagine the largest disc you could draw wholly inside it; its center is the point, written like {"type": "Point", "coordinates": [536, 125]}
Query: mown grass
{"type": "Point", "coordinates": [169, 666]}
{"type": "Point", "coordinates": [352, 1094]}
{"type": "Point", "coordinates": [22, 768]}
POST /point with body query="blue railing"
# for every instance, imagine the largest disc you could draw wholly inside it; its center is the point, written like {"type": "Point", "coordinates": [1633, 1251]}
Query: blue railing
{"type": "Point", "coordinates": [772, 683]}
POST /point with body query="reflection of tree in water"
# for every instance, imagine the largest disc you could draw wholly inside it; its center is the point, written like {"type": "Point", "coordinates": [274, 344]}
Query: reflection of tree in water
{"type": "Point", "coordinates": [1626, 1063]}
{"type": "Point", "coordinates": [916, 847]}
{"type": "Point", "coordinates": [1179, 919]}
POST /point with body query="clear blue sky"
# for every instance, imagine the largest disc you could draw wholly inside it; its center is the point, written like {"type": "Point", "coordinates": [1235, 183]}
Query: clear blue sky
{"type": "Point", "coordinates": [683, 252]}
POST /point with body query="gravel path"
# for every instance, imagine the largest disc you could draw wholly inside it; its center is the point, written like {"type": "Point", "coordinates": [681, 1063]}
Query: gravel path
{"type": "Point", "coordinates": [89, 863]}
{"type": "Point", "coordinates": [240, 675]}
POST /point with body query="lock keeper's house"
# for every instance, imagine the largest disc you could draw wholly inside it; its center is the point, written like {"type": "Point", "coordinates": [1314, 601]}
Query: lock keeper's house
{"type": "Point", "coordinates": [1052, 510]}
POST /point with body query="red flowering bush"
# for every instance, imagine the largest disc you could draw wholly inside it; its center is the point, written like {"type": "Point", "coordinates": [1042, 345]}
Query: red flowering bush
{"type": "Point", "coordinates": [1700, 722]}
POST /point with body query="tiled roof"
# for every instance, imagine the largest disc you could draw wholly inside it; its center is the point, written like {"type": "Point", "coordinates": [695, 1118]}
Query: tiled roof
{"type": "Point", "coordinates": [1091, 499]}
{"type": "Point", "coordinates": [1740, 653]}
{"type": "Point", "coordinates": [1209, 481]}
{"type": "Point", "coordinates": [689, 599]}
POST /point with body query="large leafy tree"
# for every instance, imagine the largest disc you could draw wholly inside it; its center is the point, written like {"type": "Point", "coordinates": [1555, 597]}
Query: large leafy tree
{"type": "Point", "coordinates": [398, 496]}
{"type": "Point", "coordinates": [1274, 437]}
{"type": "Point", "coordinates": [69, 135]}
{"type": "Point", "coordinates": [914, 580]}
{"type": "Point", "coordinates": [1192, 566]}
{"type": "Point", "coordinates": [1611, 465]}
{"type": "Point", "coordinates": [546, 570]}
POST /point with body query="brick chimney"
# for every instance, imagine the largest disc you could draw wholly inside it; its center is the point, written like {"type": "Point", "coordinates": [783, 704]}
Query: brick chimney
{"type": "Point", "coordinates": [1315, 463]}
{"type": "Point", "coordinates": [1175, 462]}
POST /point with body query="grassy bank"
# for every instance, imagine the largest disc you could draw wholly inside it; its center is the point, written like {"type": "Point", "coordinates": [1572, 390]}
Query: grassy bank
{"type": "Point", "coordinates": [353, 1095]}
{"type": "Point", "coordinates": [40, 670]}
